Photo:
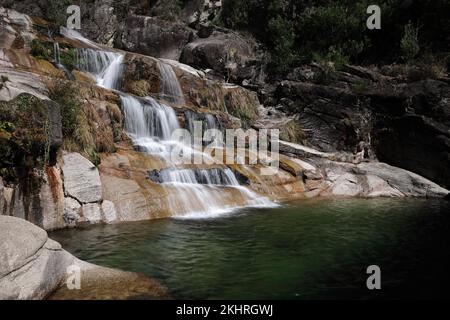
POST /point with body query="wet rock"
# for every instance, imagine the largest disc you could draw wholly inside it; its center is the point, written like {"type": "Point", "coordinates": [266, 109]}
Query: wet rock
{"type": "Point", "coordinates": [155, 176]}
{"type": "Point", "coordinates": [81, 178]}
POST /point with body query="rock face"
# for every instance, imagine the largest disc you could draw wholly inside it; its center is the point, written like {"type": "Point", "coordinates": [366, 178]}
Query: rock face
{"type": "Point", "coordinates": [81, 178]}
{"type": "Point", "coordinates": [405, 124]}
{"type": "Point", "coordinates": [33, 266]}
{"type": "Point", "coordinates": [225, 52]}
{"type": "Point", "coordinates": [153, 36]}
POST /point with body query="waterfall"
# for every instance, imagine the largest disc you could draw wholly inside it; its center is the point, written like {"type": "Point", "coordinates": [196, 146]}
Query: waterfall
{"type": "Point", "coordinates": [170, 87]}
{"type": "Point", "coordinates": [148, 118]}
{"type": "Point", "coordinates": [56, 53]}
{"type": "Point", "coordinates": [191, 192]}
{"type": "Point", "coordinates": [106, 66]}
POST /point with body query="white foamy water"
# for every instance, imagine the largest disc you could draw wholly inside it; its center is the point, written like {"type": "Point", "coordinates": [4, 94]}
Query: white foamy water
{"type": "Point", "coordinates": [170, 88]}
{"type": "Point", "coordinates": [193, 193]}
{"type": "Point", "coordinates": [105, 66]}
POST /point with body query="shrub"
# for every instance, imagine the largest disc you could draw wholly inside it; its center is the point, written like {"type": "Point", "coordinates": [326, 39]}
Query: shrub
{"type": "Point", "coordinates": [65, 94]}
{"type": "Point", "coordinates": [410, 42]}
{"type": "Point", "coordinates": [41, 49]}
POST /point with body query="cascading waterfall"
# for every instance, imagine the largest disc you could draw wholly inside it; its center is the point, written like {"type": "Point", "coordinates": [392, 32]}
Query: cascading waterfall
{"type": "Point", "coordinates": [106, 66]}
{"type": "Point", "coordinates": [170, 87]}
{"type": "Point", "coordinates": [150, 124]}
{"type": "Point", "coordinates": [191, 192]}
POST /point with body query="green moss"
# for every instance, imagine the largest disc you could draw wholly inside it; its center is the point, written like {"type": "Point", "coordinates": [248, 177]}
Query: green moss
{"type": "Point", "coordinates": [41, 49]}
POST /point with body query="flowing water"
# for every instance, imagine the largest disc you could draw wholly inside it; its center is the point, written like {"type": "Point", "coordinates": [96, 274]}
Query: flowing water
{"type": "Point", "coordinates": [106, 66]}
{"type": "Point", "coordinates": [170, 87]}
{"type": "Point", "coordinates": [314, 249]}
{"type": "Point", "coordinates": [191, 192]}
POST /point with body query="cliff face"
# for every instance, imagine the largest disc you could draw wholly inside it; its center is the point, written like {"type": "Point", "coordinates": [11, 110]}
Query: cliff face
{"type": "Point", "coordinates": [78, 159]}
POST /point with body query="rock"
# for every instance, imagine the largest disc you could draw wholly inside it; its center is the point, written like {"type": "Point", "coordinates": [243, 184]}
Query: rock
{"type": "Point", "coordinates": [91, 212]}
{"type": "Point", "coordinates": [20, 82]}
{"type": "Point", "coordinates": [378, 187]}
{"type": "Point", "coordinates": [201, 11]}
{"type": "Point", "coordinates": [51, 201]}
{"type": "Point", "coordinates": [408, 183]}
{"type": "Point", "coordinates": [18, 233]}
{"type": "Point", "coordinates": [2, 197]}
{"type": "Point", "coordinates": [403, 124]}
{"type": "Point", "coordinates": [228, 53]}
{"type": "Point", "coordinates": [127, 197]}
{"type": "Point", "coordinates": [72, 211]}
{"type": "Point", "coordinates": [375, 179]}
{"type": "Point", "coordinates": [152, 36]}
{"type": "Point", "coordinates": [32, 266]}
{"type": "Point", "coordinates": [346, 184]}
{"type": "Point", "coordinates": [100, 20]}
{"type": "Point", "coordinates": [81, 178]}
{"type": "Point", "coordinates": [109, 211]}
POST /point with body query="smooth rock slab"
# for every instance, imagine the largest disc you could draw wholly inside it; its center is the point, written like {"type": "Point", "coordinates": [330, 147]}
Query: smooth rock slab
{"type": "Point", "coordinates": [81, 178]}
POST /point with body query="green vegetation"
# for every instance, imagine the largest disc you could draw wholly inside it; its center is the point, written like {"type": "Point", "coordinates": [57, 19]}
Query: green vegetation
{"type": "Point", "coordinates": [296, 31]}
{"type": "Point", "coordinates": [45, 50]}
{"type": "Point", "coordinates": [83, 130]}
{"type": "Point", "coordinates": [25, 135]}
{"type": "Point", "coordinates": [41, 49]}
{"type": "Point", "coordinates": [68, 56]}
{"type": "Point", "coordinates": [410, 42]}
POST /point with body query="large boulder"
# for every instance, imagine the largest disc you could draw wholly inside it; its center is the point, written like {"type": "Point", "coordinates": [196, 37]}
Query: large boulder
{"type": "Point", "coordinates": [374, 179]}
{"type": "Point", "coordinates": [81, 178]}
{"type": "Point", "coordinates": [227, 53]}
{"type": "Point", "coordinates": [153, 36]}
{"type": "Point", "coordinates": [33, 266]}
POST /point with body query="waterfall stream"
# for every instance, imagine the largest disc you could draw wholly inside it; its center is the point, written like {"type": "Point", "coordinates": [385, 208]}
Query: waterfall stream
{"type": "Point", "coordinates": [106, 66]}
{"type": "Point", "coordinates": [170, 87]}
{"type": "Point", "coordinates": [192, 193]}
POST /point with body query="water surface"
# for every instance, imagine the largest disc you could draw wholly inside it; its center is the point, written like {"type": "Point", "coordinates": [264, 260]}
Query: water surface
{"type": "Point", "coordinates": [314, 249]}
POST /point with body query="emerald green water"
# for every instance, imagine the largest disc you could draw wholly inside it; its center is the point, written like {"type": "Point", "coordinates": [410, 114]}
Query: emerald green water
{"type": "Point", "coordinates": [314, 249]}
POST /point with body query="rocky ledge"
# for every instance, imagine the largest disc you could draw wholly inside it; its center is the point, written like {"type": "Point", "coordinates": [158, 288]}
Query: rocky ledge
{"type": "Point", "coordinates": [33, 266]}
